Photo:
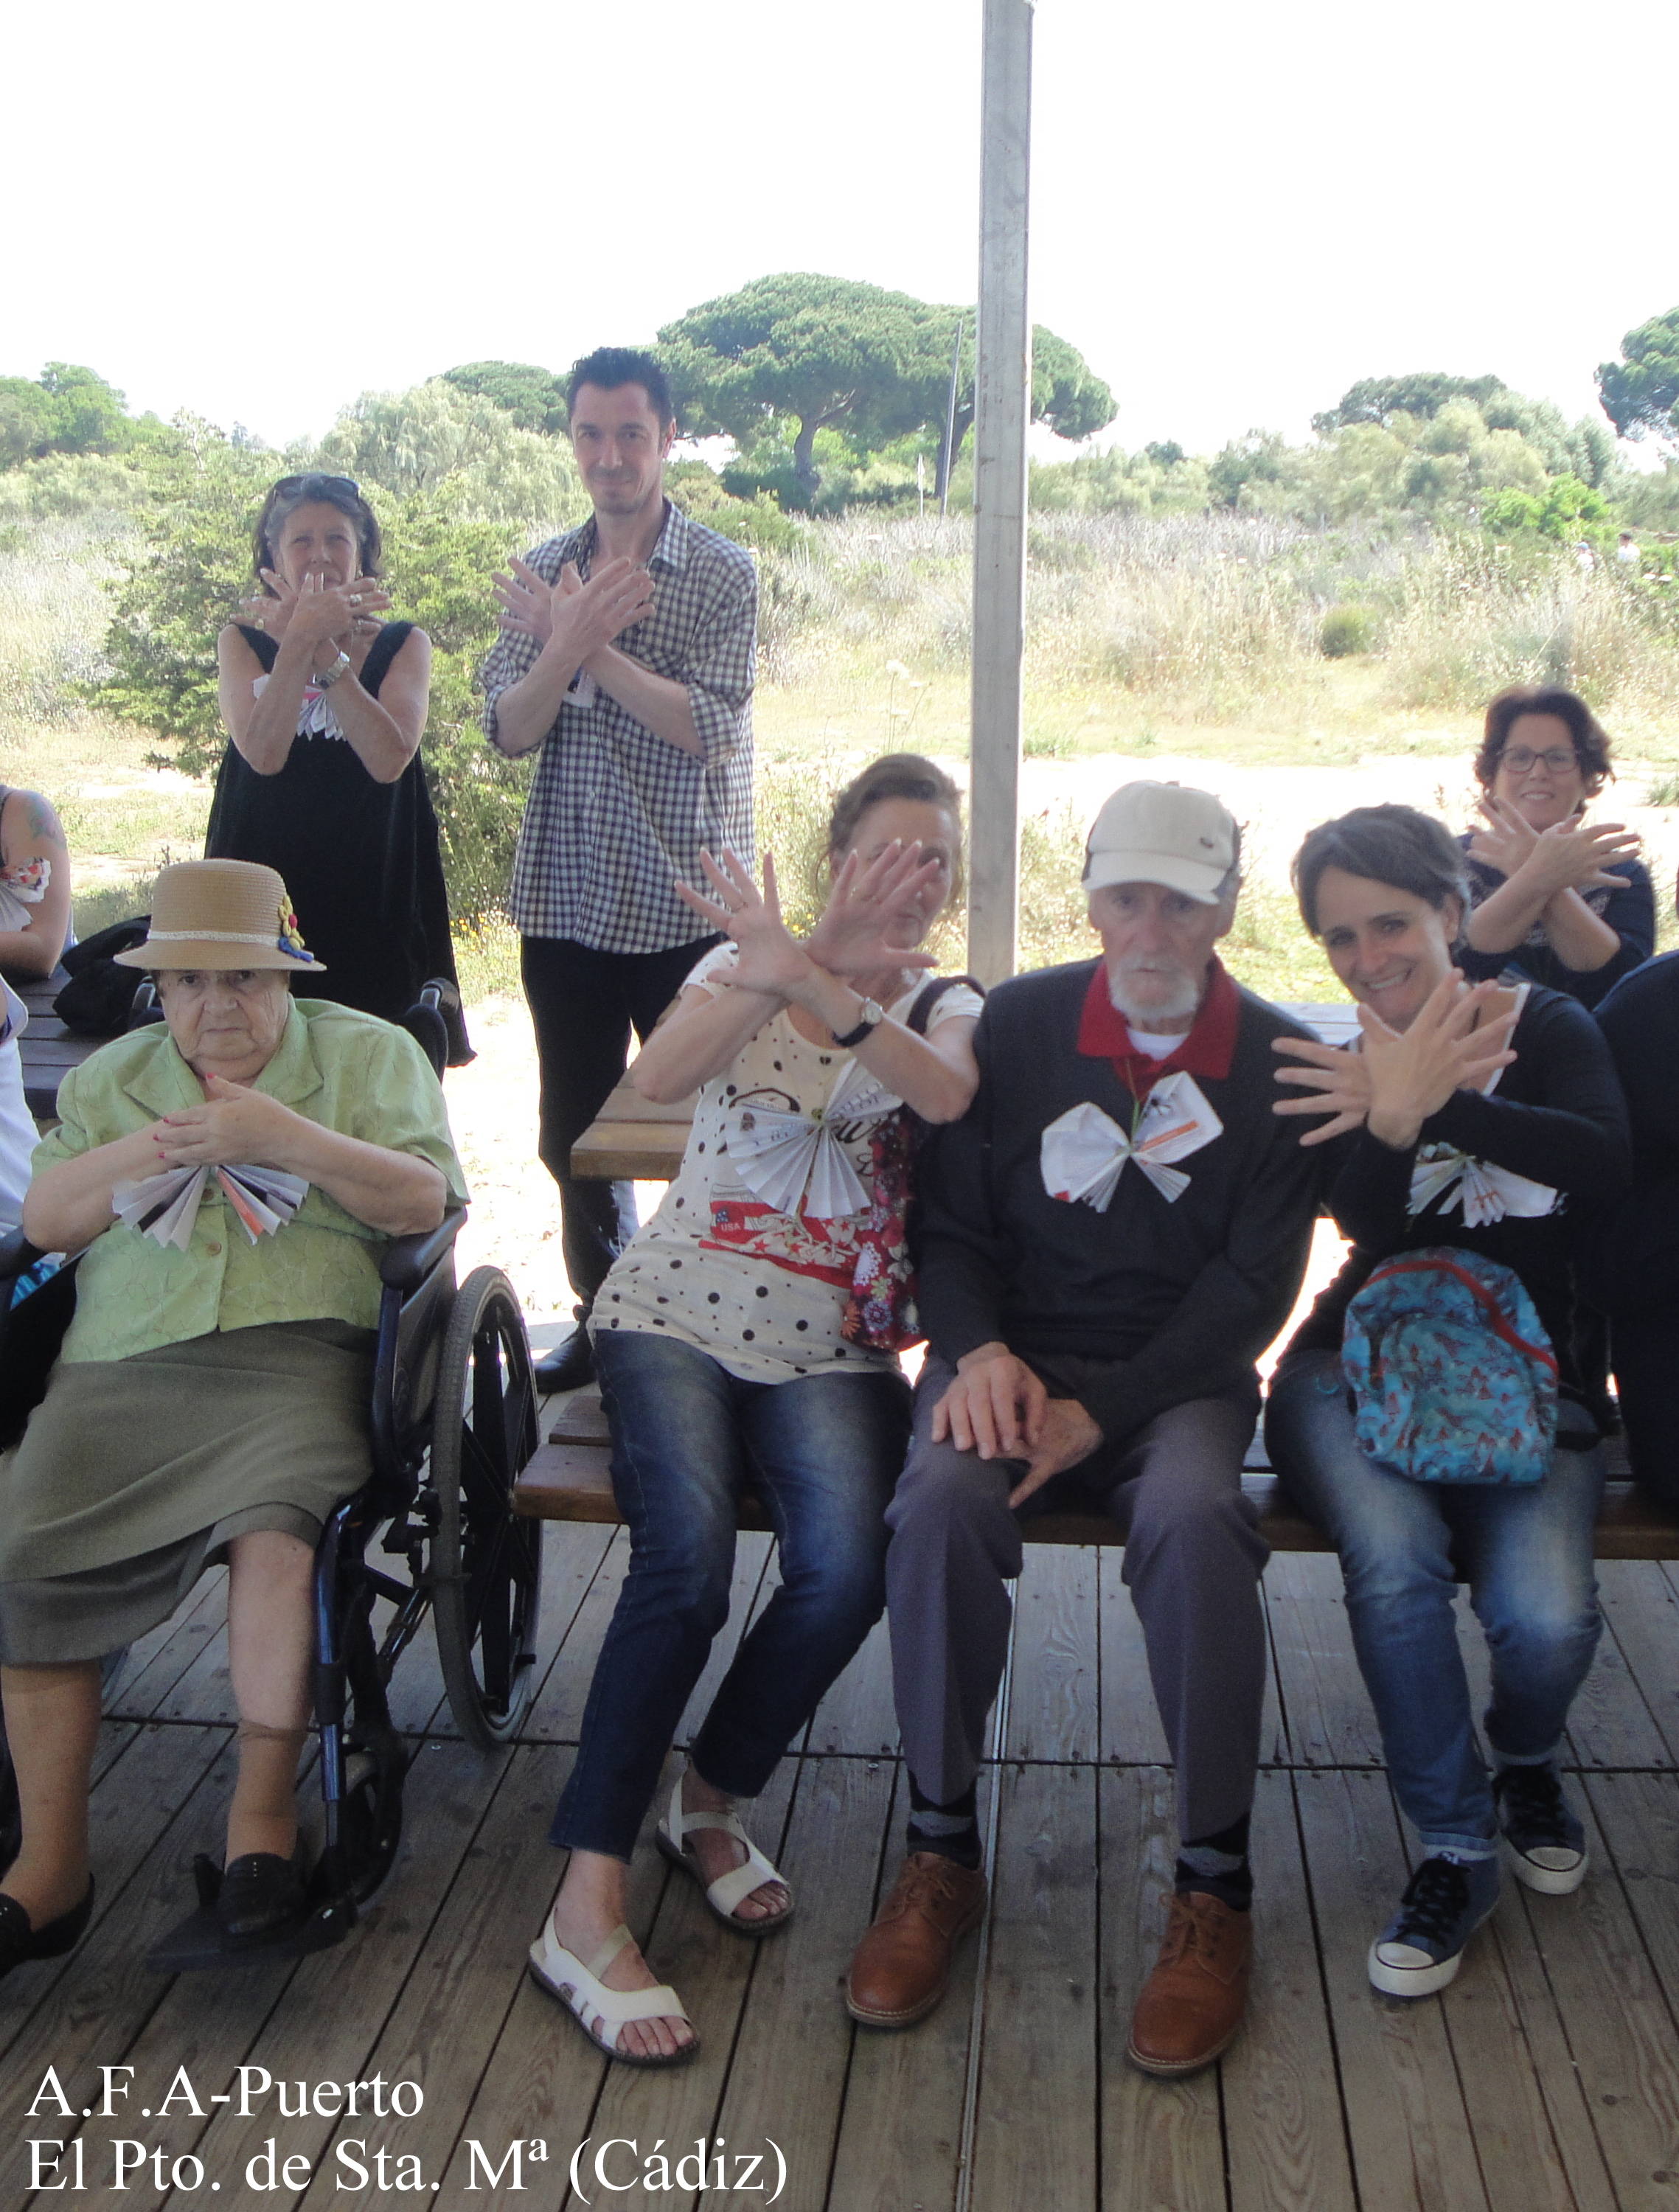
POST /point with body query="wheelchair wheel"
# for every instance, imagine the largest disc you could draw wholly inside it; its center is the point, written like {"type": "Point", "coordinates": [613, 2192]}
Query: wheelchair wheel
{"type": "Point", "coordinates": [486, 1563]}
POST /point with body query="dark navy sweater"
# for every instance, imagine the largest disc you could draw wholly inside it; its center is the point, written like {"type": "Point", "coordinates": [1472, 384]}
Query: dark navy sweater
{"type": "Point", "coordinates": [1180, 1296]}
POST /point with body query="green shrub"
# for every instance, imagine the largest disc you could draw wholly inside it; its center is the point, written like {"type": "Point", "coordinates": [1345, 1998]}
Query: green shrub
{"type": "Point", "coordinates": [1346, 630]}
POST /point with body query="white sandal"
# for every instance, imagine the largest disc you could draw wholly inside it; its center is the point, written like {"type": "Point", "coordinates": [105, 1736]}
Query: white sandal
{"type": "Point", "coordinates": [729, 1889]}
{"type": "Point", "coordinates": [593, 2005]}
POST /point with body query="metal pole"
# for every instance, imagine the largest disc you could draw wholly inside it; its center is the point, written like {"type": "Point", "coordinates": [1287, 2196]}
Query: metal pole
{"type": "Point", "coordinates": [947, 457]}
{"type": "Point", "coordinates": [1002, 405]}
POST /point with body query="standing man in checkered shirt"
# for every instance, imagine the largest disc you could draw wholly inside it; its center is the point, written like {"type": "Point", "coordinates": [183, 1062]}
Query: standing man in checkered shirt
{"type": "Point", "coordinates": [625, 661]}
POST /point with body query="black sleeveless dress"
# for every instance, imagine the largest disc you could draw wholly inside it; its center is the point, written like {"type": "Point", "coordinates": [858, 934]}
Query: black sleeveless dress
{"type": "Point", "coordinates": [360, 858]}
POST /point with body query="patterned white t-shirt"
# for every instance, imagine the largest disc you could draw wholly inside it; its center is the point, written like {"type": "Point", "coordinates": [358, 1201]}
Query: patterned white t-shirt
{"type": "Point", "coordinates": [750, 1256]}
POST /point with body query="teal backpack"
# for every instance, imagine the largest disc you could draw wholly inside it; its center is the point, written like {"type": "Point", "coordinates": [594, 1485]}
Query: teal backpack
{"type": "Point", "coordinates": [1453, 1378]}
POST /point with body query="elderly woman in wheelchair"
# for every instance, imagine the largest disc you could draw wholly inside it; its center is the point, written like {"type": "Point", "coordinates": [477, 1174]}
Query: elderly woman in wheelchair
{"type": "Point", "coordinates": [211, 1399]}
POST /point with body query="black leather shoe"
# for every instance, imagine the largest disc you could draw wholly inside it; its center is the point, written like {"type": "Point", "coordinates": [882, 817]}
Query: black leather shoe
{"type": "Point", "coordinates": [568, 1366]}
{"type": "Point", "coordinates": [19, 1941]}
{"type": "Point", "coordinates": [261, 1896]}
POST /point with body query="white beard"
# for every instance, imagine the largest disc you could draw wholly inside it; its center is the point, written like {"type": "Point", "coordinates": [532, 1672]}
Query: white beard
{"type": "Point", "coordinates": [1184, 1000]}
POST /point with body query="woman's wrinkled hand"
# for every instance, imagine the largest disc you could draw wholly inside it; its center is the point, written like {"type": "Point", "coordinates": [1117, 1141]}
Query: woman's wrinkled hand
{"type": "Point", "coordinates": [770, 960]}
{"type": "Point", "coordinates": [851, 938]}
{"type": "Point", "coordinates": [1571, 855]}
{"type": "Point", "coordinates": [1337, 1080]}
{"type": "Point", "coordinates": [322, 614]}
{"type": "Point", "coordinates": [233, 1124]}
{"type": "Point", "coordinates": [1448, 1047]}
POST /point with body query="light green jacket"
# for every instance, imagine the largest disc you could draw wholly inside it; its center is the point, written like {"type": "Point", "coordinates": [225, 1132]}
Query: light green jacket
{"type": "Point", "coordinates": [346, 1070]}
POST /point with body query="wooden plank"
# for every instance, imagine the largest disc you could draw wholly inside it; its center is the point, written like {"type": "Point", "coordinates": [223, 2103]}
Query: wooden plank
{"type": "Point", "coordinates": [1609, 1724]}
{"type": "Point", "coordinates": [323, 2023]}
{"type": "Point", "coordinates": [557, 1711]}
{"type": "Point", "coordinates": [631, 1152]}
{"type": "Point", "coordinates": [1642, 1615]}
{"type": "Point", "coordinates": [541, 2081]}
{"type": "Point", "coordinates": [1129, 1721]}
{"type": "Point", "coordinates": [832, 1850]}
{"type": "Point", "coordinates": [1618, 2016]}
{"type": "Point", "coordinates": [102, 1994]}
{"type": "Point", "coordinates": [900, 2133]}
{"type": "Point", "coordinates": [857, 1714]}
{"type": "Point", "coordinates": [1035, 2141]}
{"type": "Point", "coordinates": [1325, 1707]}
{"type": "Point", "coordinates": [1412, 2146]}
{"type": "Point", "coordinates": [463, 1983]}
{"type": "Point", "coordinates": [1162, 2141]}
{"type": "Point", "coordinates": [1052, 1710]}
{"type": "Point", "coordinates": [1281, 2098]}
{"type": "Point", "coordinates": [713, 1971]}
{"type": "Point", "coordinates": [158, 1661]}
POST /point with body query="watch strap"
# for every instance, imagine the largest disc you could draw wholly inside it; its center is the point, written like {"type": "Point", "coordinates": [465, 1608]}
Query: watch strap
{"type": "Point", "coordinates": [873, 1015]}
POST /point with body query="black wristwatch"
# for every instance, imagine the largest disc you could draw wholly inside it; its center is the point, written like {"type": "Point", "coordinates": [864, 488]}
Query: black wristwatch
{"type": "Point", "coordinates": [872, 1015]}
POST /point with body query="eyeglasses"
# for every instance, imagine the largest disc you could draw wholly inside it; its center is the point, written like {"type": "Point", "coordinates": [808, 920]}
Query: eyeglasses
{"type": "Point", "coordinates": [289, 484]}
{"type": "Point", "coordinates": [1558, 758]}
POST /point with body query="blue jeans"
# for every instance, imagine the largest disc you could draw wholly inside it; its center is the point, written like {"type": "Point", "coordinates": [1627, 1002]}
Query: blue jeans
{"type": "Point", "coordinates": [1527, 1552]}
{"type": "Point", "coordinates": [823, 1452]}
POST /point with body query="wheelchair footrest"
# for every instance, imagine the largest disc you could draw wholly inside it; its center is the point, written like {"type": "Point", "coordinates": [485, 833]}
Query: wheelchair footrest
{"type": "Point", "coordinates": [199, 1942]}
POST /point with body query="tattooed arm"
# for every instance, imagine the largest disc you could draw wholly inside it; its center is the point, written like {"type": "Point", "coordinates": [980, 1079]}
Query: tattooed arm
{"type": "Point", "coordinates": [30, 830]}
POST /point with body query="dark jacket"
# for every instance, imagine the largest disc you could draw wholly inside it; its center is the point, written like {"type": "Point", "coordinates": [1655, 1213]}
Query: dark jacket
{"type": "Point", "coordinates": [1556, 1117]}
{"type": "Point", "coordinates": [1630, 912]}
{"type": "Point", "coordinates": [1180, 1296]}
{"type": "Point", "coordinates": [1634, 1263]}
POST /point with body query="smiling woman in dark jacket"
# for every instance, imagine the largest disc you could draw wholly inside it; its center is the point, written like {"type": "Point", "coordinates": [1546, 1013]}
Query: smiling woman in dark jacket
{"type": "Point", "coordinates": [1486, 1121]}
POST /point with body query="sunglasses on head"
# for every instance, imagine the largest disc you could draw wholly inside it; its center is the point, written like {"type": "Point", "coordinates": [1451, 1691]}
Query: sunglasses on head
{"type": "Point", "coordinates": [289, 484]}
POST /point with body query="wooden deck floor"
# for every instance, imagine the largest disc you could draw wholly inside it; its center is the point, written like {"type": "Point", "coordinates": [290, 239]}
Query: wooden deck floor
{"type": "Point", "coordinates": [1546, 2078]}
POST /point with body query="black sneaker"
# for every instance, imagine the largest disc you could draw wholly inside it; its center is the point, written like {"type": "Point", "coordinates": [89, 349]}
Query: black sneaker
{"type": "Point", "coordinates": [1545, 1841]}
{"type": "Point", "coordinates": [1421, 1947]}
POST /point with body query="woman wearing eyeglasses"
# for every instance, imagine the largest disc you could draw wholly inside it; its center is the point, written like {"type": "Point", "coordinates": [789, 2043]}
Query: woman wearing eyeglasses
{"type": "Point", "coordinates": [1561, 901]}
{"type": "Point", "coordinates": [325, 702]}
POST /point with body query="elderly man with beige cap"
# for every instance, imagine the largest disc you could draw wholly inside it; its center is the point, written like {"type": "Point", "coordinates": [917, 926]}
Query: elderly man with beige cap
{"type": "Point", "coordinates": [1110, 1237]}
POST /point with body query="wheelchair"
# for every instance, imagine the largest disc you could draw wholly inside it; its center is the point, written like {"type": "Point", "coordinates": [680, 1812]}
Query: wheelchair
{"type": "Point", "coordinates": [453, 1421]}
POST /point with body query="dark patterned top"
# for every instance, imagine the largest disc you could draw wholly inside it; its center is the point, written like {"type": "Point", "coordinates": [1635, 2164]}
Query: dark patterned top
{"type": "Point", "coordinates": [1631, 914]}
{"type": "Point", "coordinates": [616, 815]}
{"type": "Point", "coordinates": [360, 858]}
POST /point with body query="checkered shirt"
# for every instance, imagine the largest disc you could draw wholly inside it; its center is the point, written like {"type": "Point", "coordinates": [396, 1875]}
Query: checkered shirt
{"type": "Point", "coordinates": [616, 815]}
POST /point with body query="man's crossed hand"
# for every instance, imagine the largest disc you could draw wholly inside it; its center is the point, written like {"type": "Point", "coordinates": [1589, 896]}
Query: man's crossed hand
{"type": "Point", "coordinates": [998, 1407]}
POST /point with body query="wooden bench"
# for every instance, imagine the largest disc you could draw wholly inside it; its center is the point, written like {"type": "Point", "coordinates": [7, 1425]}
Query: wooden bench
{"type": "Point", "coordinates": [47, 1049]}
{"type": "Point", "coordinates": [568, 1480]}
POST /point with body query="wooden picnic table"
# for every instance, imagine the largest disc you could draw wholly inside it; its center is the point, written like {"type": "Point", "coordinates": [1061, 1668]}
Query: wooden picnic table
{"type": "Point", "coordinates": [47, 1049]}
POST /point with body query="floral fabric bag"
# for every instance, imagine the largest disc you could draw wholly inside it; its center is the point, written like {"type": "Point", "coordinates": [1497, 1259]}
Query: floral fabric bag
{"type": "Point", "coordinates": [1452, 1377]}
{"type": "Point", "coordinates": [880, 1312]}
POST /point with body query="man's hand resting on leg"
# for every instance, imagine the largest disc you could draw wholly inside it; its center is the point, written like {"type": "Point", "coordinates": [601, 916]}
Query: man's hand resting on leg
{"type": "Point", "coordinates": [998, 1407]}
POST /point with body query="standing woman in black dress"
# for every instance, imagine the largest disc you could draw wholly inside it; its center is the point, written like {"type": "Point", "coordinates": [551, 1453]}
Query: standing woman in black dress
{"type": "Point", "coordinates": [325, 704]}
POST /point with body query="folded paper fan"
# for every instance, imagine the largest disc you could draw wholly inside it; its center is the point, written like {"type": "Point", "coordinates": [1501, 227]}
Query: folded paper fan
{"type": "Point", "coordinates": [164, 1207]}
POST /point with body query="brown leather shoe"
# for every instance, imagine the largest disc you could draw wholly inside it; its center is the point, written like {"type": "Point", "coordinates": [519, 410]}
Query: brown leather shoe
{"type": "Point", "coordinates": [902, 1967]}
{"type": "Point", "coordinates": [1191, 2005]}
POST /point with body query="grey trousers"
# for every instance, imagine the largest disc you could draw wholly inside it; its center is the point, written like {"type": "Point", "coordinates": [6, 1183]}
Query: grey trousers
{"type": "Point", "coordinates": [1193, 1558]}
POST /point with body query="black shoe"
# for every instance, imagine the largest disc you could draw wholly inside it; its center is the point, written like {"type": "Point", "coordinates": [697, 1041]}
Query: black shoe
{"type": "Point", "coordinates": [568, 1366]}
{"type": "Point", "coordinates": [1545, 1840]}
{"type": "Point", "coordinates": [261, 1896]}
{"type": "Point", "coordinates": [19, 1941]}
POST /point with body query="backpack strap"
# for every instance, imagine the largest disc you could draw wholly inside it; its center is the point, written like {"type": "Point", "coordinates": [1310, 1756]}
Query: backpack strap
{"type": "Point", "coordinates": [921, 1014]}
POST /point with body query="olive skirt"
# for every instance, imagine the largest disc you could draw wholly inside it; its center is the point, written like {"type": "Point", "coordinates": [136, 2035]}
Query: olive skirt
{"type": "Point", "coordinates": [135, 1474]}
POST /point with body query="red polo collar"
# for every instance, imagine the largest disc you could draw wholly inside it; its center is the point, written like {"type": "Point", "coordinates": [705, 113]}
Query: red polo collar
{"type": "Point", "coordinates": [1206, 1050]}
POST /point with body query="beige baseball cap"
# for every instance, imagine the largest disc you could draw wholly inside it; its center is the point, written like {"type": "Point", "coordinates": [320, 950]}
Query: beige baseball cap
{"type": "Point", "coordinates": [1163, 833]}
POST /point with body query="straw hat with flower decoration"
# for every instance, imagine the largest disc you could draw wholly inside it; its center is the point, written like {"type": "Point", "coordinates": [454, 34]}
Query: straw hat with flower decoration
{"type": "Point", "coordinates": [222, 914]}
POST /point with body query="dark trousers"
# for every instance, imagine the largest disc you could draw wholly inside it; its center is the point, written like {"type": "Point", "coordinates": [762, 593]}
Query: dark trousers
{"type": "Point", "coordinates": [1646, 1377]}
{"type": "Point", "coordinates": [1193, 1558]}
{"type": "Point", "coordinates": [582, 1005]}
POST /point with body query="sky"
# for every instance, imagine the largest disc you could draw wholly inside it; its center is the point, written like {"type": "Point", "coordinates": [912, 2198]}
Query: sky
{"type": "Point", "coordinates": [1237, 211]}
